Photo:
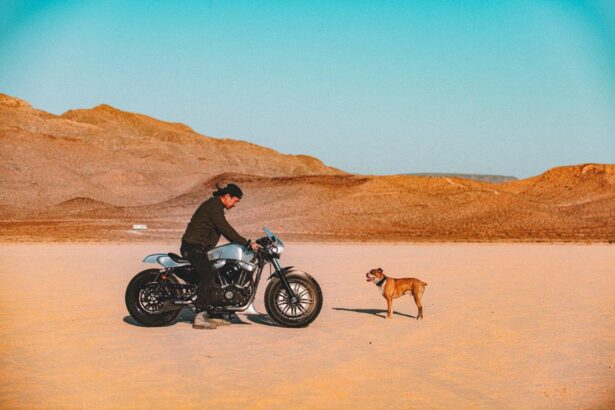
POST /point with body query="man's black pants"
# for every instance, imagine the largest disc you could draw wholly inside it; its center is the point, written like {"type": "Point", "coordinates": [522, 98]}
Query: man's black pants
{"type": "Point", "coordinates": [197, 256]}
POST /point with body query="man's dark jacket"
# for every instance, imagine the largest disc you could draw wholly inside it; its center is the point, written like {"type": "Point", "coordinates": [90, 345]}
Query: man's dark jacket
{"type": "Point", "coordinates": [208, 223]}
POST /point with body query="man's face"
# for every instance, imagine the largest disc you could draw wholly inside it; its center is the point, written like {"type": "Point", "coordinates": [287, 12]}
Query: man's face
{"type": "Point", "coordinates": [229, 201]}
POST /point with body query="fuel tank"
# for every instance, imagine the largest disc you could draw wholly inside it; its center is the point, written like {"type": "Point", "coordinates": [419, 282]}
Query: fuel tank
{"type": "Point", "coordinates": [231, 251]}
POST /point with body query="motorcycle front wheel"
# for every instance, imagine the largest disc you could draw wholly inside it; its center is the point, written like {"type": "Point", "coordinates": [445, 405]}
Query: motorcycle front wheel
{"type": "Point", "coordinates": [145, 300]}
{"type": "Point", "coordinates": [288, 313]}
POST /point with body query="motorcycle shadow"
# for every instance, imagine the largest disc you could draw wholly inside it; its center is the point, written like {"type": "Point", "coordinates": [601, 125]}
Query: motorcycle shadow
{"type": "Point", "coordinates": [262, 320]}
{"type": "Point", "coordinates": [376, 312]}
{"type": "Point", "coordinates": [187, 316]}
{"type": "Point", "coordinates": [128, 319]}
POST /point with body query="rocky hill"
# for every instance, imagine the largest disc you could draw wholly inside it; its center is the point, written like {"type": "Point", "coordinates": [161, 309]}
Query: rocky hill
{"type": "Point", "coordinates": [92, 174]}
{"type": "Point", "coordinates": [118, 157]}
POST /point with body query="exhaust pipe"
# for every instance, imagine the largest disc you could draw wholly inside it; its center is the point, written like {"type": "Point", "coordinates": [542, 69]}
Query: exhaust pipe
{"type": "Point", "coordinates": [176, 305]}
{"type": "Point", "coordinates": [250, 310]}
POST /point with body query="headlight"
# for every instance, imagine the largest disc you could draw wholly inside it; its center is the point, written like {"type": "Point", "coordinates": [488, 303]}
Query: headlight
{"type": "Point", "coordinates": [278, 249]}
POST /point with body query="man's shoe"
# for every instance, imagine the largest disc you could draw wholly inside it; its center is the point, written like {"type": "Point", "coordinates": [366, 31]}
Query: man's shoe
{"type": "Point", "coordinates": [221, 319]}
{"type": "Point", "coordinates": [201, 321]}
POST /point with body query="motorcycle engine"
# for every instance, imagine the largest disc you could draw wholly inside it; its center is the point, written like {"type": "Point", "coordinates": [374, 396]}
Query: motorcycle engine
{"type": "Point", "coordinates": [234, 283]}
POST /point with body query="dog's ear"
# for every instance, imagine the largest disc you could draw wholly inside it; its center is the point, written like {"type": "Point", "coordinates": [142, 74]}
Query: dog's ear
{"type": "Point", "coordinates": [380, 270]}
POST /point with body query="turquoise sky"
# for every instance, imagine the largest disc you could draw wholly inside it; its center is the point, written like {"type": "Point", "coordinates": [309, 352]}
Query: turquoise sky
{"type": "Point", "coordinates": [510, 87]}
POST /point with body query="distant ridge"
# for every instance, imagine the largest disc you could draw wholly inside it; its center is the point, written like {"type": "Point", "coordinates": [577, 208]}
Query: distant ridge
{"type": "Point", "coordinates": [494, 179]}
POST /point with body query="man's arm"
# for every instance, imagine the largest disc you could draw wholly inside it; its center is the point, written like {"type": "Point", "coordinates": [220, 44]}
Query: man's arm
{"type": "Point", "coordinates": [227, 230]}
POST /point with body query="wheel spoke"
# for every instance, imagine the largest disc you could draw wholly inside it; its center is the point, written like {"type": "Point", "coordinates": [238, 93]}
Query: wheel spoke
{"type": "Point", "coordinates": [287, 309]}
{"type": "Point", "coordinates": [151, 300]}
{"type": "Point", "coordinates": [302, 303]}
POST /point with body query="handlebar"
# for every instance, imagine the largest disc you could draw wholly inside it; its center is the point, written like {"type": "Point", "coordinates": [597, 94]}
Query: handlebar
{"type": "Point", "coordinates": [264, 241]}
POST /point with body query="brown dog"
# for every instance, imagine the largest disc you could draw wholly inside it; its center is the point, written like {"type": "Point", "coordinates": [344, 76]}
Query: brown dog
{"type": "Point", "coordinates": [392, 288]}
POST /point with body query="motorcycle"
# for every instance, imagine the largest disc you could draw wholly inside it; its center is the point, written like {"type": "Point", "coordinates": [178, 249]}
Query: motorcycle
{"type": "Point", "coordinates": [156, 297]}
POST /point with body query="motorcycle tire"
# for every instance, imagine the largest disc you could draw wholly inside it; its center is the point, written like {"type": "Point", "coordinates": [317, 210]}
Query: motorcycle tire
{"type": "Point", "coordinates": [136, 308]}
{"type": "Point", "coordinates": [282, 311]}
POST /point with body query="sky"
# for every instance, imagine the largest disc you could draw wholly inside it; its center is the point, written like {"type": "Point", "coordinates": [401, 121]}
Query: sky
{"type": "Point", "coordinates": [371, 87]}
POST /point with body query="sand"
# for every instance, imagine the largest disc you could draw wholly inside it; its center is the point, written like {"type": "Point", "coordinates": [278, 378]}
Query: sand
{"type": "Point", "coordinates": [506, 326]}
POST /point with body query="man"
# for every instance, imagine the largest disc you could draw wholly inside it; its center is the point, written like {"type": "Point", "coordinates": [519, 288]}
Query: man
{"type": "Point", "coordinates": [202, 234]}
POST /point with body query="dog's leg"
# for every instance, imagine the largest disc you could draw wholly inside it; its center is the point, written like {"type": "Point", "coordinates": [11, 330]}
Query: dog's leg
{"type": "Point", "coordinates": [417, 299]}
{"type": "Point", "coordinates": [389, 308]}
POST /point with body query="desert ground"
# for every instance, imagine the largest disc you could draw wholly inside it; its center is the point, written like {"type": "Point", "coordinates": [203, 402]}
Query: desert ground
{"type": "Point", "coordinates": [506, 326]}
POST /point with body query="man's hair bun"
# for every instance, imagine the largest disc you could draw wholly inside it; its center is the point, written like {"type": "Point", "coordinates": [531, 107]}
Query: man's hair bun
{"type": "Point", "coordinates": [231, 189]}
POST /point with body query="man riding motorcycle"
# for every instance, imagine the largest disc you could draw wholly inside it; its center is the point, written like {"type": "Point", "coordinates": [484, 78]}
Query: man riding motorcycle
{"type": "Point", "coordinates": [202, 234]}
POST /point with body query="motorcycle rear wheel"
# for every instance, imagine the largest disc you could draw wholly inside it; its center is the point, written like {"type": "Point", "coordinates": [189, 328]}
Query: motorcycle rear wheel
{"type": "Point", "coordinates": [136, 300]}
{"type": "Point", "coordinates": [301, 313]}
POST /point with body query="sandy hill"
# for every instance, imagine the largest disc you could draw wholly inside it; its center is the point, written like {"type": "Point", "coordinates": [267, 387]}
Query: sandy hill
{"type": "Point", "coordinates": [406, 207]}
{"type": "Point", "coordinates": [91, 174]}
{"type": "Point", "coordinates": [568, 185]}
{"type": "Point", "coordinates": [118, 157]}
{"type": "Point", "coordinates": [351, 207]}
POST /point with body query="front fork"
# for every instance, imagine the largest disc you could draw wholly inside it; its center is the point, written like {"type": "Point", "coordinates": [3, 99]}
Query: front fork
{"type": "Point", "coordinates": [280, 272]}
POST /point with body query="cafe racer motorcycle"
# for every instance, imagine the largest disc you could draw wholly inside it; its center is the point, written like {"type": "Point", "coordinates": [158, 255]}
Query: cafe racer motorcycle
{"type": "Point", "coordinates": [155, 297]}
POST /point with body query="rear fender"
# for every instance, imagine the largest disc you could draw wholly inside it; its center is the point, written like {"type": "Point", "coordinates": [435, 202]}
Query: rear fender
{"type": "Point", "coordinates": [162, 259]}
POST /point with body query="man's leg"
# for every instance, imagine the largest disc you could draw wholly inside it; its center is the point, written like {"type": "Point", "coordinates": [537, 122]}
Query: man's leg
{"type": "Point", "coordinates": [206, 289]}
{"type": "Point", "coordinates": [197, 256]}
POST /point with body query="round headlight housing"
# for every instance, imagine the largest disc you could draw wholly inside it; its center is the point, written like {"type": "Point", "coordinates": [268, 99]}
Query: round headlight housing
{"type": "Point", "coordinates": [277, 248]}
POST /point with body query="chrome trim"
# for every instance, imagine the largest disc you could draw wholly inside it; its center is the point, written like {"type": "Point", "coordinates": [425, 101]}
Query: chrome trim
{"type": "Point", "coordinates": [246, 266]}
{"type": "Point", "coordinates": [250, 310]}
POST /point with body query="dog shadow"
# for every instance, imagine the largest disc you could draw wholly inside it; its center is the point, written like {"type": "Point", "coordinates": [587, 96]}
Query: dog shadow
{"type": "Point", "coordinates": [376, 312]}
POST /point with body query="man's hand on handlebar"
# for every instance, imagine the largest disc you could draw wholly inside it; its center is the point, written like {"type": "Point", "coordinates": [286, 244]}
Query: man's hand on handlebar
{"type": "Point", "coordinates": [255, 247]}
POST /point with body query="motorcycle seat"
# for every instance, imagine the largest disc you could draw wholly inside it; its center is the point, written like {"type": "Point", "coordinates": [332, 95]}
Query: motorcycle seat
{"type": "Point", "coordinates": [177, 258]}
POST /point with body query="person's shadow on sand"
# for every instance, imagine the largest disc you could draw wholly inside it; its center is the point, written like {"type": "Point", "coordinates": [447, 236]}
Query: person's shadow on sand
{"type": "Point", "coordinates": [376, 312]}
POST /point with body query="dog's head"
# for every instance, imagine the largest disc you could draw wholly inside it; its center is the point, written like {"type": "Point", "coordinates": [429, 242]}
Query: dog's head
{"type": "Point", "coordinates": [374, 274]}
